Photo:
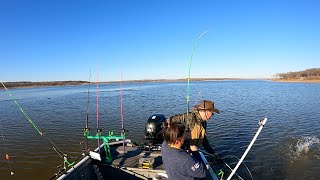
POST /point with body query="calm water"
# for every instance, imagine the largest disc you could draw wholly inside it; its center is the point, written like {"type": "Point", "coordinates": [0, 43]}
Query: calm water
{"type": "Point", "coordinates": [287, 148]}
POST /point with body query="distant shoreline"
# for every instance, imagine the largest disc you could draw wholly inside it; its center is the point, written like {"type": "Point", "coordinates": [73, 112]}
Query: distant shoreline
{"type": "Point", "coordinates": [29, 84]}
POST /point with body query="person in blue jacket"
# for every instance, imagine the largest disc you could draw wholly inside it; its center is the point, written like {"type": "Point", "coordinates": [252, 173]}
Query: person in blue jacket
{"type": "Point", "coordinates": [178, 163]}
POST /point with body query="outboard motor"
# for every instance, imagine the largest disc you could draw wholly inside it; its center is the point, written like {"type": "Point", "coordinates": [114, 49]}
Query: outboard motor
{"type": "Point", "coordinates": [153, 137]}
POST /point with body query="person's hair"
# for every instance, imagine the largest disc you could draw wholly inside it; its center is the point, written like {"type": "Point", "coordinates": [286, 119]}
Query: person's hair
{"type": "Point", "coordinates": [173, 132]}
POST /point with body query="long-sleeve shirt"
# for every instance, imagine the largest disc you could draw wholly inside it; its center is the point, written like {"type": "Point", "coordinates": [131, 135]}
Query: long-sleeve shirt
{"type": "Point", "coordinates": [180, 165]}
{"type": "Point", "coordinates": [196, 127]}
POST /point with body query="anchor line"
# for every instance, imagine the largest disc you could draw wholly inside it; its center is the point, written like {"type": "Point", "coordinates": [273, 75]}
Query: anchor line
{"type": "Point", "coordinates": [189, 71]}
{"type": "Point", "coordinates": [55, 148]}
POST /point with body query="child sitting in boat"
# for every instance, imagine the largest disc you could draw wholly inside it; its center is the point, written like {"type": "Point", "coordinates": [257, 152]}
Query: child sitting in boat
{"type": "Point", "coordinates": [177, 162]}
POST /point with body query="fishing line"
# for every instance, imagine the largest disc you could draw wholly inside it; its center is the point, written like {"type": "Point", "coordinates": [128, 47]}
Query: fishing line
{"type": "Point", "coordinates": [55, 148]}
{"type": "Point", "coordinates": [232, 156]}
{"type": "Point", "coordinates": [261, 123]}
{"type": "Point", "coordinates": [196, 101]}
{"type": "Point", "coordinates": [189, 72]}
{"type": "Point", "coordinates": [223, 162]}
{"type": "Point", "coordinates": [87, 114]}
{"type": "Point", "coordinates": [6, 150]}
{"type": "Point", "coordinates": [25, 114]}
{"type": "Point", "coordinates": [121, 110]}
{"type": "Point", "coordinates": [97, 107]}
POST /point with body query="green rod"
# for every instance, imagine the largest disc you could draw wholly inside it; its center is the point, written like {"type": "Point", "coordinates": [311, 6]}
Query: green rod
{"type": "Point", "coordinates": [189, 72]}
{"type": "Point", "coordinates": [25, 114]}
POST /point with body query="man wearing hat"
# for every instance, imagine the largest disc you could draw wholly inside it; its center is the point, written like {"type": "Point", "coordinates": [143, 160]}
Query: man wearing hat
{"type": "Point", "coordinates": [196, 123]}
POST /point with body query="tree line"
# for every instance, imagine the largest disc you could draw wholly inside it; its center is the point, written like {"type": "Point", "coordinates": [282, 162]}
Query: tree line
{"type": "Point", "coordinates": [45, 83]}
{"type": "Point", "coordinates": [313, 73]}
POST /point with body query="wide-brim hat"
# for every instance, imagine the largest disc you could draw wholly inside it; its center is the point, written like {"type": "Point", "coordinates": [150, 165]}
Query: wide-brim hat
{"type": "Point", "coordinates": [207, 105]}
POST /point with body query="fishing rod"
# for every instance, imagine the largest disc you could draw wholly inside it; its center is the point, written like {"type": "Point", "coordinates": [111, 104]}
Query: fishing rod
{"type": "Point", "coordinates": [86, 130]}
{"type": "Point", "coordinates": [209, 168]}
{"type": "Point", "coordinates": [54, 147]}
{"type": "Point", "coordinates": [261, 124]}
{"type": "Point", "coordinates": [99, 135]}
{"type": "Point", "coordinates": [189, 72]}
{"type": "Point", "coordinates": [121, 113]}
{"type": "Point", "coordinates": [97, 108]}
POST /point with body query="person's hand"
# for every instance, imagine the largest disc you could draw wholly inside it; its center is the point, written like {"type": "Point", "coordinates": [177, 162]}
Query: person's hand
{"type": "Point", "coordinates": [193, 148]}
{"type": "Point", "coordinates": [217, 159]}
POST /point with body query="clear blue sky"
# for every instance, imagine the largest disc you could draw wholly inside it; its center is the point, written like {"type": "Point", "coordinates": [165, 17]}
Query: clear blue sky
{"type": "Point", "coordinates": [48, 40]}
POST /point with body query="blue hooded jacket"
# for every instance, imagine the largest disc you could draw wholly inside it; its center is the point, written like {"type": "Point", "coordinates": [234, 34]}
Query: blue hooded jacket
{"type": "Point", "coordinates": [180, 165]}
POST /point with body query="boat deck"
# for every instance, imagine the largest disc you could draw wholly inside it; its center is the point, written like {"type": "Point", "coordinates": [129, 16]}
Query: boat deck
{"type": "Point", "coordinates": [129, 163]}
{"type": "Point", "coordinates": [132, 164]}
{"type": "Point", "coordinates": [132, 156]}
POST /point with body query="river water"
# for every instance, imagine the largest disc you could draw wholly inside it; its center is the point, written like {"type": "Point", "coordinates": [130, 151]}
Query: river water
{"type": "Point", "coordinates": [287, 148]}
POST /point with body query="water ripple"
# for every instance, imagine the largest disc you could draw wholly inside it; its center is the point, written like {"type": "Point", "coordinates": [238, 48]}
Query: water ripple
{"type": "Point", "coordinates": [287, 148]}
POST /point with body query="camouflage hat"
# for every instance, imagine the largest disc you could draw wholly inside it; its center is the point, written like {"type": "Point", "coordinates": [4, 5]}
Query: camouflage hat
{"type": "Point", "coordinates": [207, 105]}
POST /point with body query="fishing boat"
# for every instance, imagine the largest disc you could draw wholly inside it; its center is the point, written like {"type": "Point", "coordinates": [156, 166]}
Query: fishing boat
{"type": "Point", "coordinates": [131, 161]}
{"type": "Point", "coordinates": [118, 158]}
{"type": "Point", "coordinates": [128, 160]}
{"type": "Point", "coordinates": [134, 163]}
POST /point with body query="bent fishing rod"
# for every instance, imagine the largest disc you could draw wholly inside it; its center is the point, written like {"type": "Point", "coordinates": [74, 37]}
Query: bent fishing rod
{"type": "Point", "coordinates": [189, 71]}
{"type": "Point", "coordinates": [54, 147]}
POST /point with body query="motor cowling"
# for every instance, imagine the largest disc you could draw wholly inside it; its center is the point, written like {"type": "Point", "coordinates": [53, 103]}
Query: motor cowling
{"type": "Point", "coordinates": [153, 129]}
